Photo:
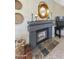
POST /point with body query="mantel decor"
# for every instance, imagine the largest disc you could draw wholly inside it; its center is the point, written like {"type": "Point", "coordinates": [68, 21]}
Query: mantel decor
{"type": "Point", "coordinates": [43, 10]}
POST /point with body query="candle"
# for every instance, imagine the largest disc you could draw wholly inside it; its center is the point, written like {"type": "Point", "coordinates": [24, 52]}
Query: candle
{"type": "Point", "coordinates": [36, 17]}
{"type": "Point", "coordinates": [32, 16]}
{"type": "Point", "coordinates": [51, 15]}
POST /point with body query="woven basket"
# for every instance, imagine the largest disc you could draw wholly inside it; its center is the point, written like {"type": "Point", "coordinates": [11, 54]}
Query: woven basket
{"type": "Point", "coordinates": [26, 55]}
{"type": "Point", "coordinates": [20, 47]}
{"type": "Point", "coordinates": [18, 5]}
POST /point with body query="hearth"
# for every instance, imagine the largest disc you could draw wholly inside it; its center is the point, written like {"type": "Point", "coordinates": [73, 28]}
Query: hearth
{"type": "Point", "coordinates": [39, 31]}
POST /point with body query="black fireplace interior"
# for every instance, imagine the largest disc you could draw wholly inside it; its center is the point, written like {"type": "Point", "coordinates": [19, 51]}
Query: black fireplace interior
{"type": "Point", "coordinates": [41, 35]}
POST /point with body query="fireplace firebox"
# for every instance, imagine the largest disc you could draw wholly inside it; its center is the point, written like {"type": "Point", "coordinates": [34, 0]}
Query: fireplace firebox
{"type": "Point", "coordinates": [39, 31]}
{"type": "Point", "coordinates": [41, 35]}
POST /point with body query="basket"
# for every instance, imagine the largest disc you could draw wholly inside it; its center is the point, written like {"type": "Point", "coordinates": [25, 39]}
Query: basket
{"type": "Point", "coordinates": [26, 55]}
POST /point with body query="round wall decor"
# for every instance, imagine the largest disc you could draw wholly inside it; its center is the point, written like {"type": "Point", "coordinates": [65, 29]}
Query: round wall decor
{"type": "Point", "coordinates": [18, 5]}
{"type": "Point", "coordinates": [18, 18]}
{"type": "Point", "coordinates": [43, 10]}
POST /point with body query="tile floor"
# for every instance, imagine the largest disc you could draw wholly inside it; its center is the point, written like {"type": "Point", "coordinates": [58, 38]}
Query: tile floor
{"type": "Point", "coordinates": [56, 53]}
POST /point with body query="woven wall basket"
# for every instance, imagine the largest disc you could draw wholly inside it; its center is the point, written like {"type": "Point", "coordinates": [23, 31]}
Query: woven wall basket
{"type": "Point", "coordinates": [18, 5]}
{"type": "Point", "coordinates": [18, 18]}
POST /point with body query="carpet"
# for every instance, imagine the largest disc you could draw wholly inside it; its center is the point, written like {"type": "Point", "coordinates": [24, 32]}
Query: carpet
{"type": "Point", "coordinates": [48, 46]}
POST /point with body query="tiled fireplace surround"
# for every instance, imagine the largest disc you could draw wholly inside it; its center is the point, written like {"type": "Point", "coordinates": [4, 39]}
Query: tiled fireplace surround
{"type": "Point", "coordinates": [37, 26]}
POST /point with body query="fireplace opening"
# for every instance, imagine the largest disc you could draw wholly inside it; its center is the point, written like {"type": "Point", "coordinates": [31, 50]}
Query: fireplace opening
{"type": "Point", "coordinates": [41, 35]}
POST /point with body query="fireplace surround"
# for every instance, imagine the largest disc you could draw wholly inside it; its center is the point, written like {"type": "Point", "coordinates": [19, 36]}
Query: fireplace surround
{"type": "Point", "coordinates": [39, 31]}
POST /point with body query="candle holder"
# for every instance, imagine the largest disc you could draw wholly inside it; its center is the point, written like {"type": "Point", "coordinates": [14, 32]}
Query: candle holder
{"type": "Point", "coordinates": [51, 15]}
{"type": "Point", "coordinates": [36, 17]}
{"type": "Point", "coordinates": [32, 16]}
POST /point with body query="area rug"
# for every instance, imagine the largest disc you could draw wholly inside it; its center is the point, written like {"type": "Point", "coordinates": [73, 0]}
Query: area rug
{"type": "Point", "coordinates": [48, 46]}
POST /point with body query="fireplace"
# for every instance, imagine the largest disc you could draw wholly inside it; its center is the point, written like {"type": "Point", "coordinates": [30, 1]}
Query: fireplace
{"type": "Point", "coordinates": [39, 31]}
{"type": "Point", "coordinates": [41, 35]}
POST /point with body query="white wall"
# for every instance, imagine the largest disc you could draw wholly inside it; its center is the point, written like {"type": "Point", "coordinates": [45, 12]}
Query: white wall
{"type": "Point", "coordinates": [29, 7]}
{"type": "Point", "coordinates": [58, 10]}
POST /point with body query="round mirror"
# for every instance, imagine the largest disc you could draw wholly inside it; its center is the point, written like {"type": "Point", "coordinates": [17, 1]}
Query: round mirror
{"type": "Point", "coordinates": [43, 10]}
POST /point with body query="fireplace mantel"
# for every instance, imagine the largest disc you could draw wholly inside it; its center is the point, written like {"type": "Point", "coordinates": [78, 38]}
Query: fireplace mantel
{"type": "Point", "coordinates": [31, 23]}
{"type": "Point", "coordinates": [34, 26]}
